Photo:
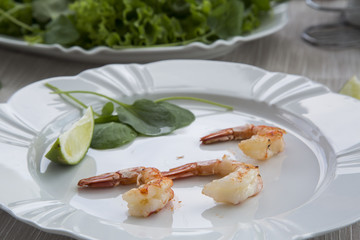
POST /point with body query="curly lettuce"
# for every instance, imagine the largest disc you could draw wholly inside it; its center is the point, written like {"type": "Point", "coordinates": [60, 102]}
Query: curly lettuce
{"type": "Point", "coordinates": [129, 23]}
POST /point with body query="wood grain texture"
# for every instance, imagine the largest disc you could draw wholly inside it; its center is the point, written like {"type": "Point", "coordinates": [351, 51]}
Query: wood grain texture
{"type": "Point", "coordinates": [281, 52]}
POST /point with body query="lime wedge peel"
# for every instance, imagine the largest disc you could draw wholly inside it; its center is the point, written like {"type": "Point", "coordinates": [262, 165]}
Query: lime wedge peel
{"type": "Point", "coordinates": [352, 88]}
{"type": "Point", "coordinates": [71, 146]}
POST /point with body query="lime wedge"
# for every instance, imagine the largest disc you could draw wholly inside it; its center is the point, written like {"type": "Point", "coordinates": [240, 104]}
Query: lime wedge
{"type": "Point", "coordinates": [352, 88]}
{"type": "Point", "coordinates": [71, 146]}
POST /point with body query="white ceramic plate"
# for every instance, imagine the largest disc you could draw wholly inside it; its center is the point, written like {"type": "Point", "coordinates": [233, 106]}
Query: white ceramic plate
{"type": "Point", "coordinates": [273, 23]}
{"type": "Point", "coordinates": [308, 189]}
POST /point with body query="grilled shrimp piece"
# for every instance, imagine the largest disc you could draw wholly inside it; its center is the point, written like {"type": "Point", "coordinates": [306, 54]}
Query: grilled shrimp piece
{"type": "Point", "coordinates": [150, 197]}
{"type": "Point", "coordinates": [258, 142]}
{"type": "Point", "coordinates": [239, 180]}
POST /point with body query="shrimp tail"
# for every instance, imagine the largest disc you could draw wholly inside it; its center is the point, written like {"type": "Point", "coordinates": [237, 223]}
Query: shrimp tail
{"type": "Point", "coordinates": [229, 134]}
{"type": "Point", "coordinates": [193, 169]}
{"type": "Point", "coordinates": [112, 179]}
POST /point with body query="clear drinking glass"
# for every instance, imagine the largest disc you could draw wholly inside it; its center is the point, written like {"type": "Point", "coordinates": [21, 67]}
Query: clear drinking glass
{"type": "Point", "coordinates": [352, 15]}
{"type": "Point", "coordinates": [344, 33]}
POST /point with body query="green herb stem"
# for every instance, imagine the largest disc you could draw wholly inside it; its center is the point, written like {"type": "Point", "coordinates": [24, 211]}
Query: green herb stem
{"type": "Point", "coordinates": [15, 21]}
{"type": "Point", "coordinates": [58, 91]}
{"type": "Point", "coordinates": [195, 99]}
{"type": "Point", "coordinates": [93, 93]}
{"type": "Point", "coordinates": [68, 94]}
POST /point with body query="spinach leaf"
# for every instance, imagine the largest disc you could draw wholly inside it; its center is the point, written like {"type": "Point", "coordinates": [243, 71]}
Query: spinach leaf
{"type": "Point", "coordinates": [111, 135]}
{"type": "Point", "coordinates": [107, 109]}
{"type": "Point", "coordinates": [106, 114]}
{"type": "Point", "coordinates": [106, 119]}
{"type": "Point", "coordinates": [183, 117]}
{"type": "Point", "coordinates": [61, 31]}
{"type": "Point", "coordinates": [147, 118]}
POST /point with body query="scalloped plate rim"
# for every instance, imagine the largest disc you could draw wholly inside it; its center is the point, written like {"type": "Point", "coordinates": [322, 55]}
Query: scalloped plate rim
{"type": "Point", "coordinates": [69, 233]}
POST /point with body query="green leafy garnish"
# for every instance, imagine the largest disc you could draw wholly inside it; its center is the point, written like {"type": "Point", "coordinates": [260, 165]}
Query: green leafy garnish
{"type": "Point", "coordinates": [60, 31]}
{"type": "Point", "coordinates": [111, 135]}
{"type": "Point", "coordinates": [44, 11]}
{"type": "Point", "coordinates": [183, 117]}
{"type": "Point", "coordinates": [107, 109]}
{"type": "Point", "coordinates": [219, 19]}
{"type": "Point", "coordinates": [130, 23]}
{"type": "Point", "coordinates": [119, 125]}
{"type": "Point", "coordinates": [147, 117]}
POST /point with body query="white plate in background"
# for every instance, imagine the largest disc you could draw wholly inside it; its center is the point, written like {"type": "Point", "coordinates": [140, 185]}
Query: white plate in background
{"type": "Point", "coordinates": [196, 50]}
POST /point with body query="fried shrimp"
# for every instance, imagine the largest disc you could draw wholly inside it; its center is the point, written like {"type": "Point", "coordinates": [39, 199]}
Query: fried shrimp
{"type": "Point", "coordinates": [258, 142]}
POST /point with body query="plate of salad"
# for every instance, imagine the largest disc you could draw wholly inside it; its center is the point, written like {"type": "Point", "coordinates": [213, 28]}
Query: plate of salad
{"type": "Point", "coordinates": [161, 111]}
{"type": "Point", "coordinates": [137, 31]}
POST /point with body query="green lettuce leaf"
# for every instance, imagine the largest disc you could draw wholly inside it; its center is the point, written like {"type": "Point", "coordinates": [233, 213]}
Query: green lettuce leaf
{"type": "Point", "coordinates": [130, 23]}
{"type": "Point", "coordinates": [61, 31]}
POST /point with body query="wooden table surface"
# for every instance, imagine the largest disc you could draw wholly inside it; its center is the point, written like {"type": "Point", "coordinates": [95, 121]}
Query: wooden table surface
{"type": "Point", "coordinates": [283, 51]}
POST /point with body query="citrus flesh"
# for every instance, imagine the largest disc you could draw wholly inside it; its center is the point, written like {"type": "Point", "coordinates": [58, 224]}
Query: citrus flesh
{"type": "Point", "coordinates": [71, 146]}
{"type": "Point", "coordinates": [352, 88]}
